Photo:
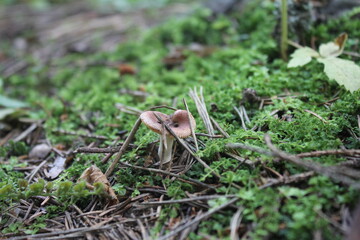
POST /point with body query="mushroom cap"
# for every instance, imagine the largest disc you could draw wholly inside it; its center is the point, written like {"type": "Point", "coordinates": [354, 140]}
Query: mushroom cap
{"type": "Point", "coordinates": [178, 122]}
{"type": "Point", "coordinates": [150, 120]}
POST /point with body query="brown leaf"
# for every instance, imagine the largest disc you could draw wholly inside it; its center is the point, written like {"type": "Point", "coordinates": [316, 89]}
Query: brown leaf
{"type": "Point", "coordinates": [92, 175]}
{"type": "Point", "coordinates": [341, 40]}
{"type": "Point", "coordinates": [126, 69]}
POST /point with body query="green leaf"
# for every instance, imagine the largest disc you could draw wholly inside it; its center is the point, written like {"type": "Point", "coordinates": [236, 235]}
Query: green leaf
{"type": "Point", "coordinates": [301, 57]}
{"type": "Point", "coordinates": [11, 103]}
{"type": "Point", "coordinates": [344, 72]}
{"type": "Point", "coordinates": [329, 50]}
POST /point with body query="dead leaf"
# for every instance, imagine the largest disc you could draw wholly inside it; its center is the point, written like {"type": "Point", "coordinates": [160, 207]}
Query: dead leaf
{"type": "Point", "coordinates": [40, 151]}
{"type": "Point", "coordinates": [93, 175]}
{"type": "Point", "coordinates": [341, 40]}
{"type": "Point", "coordinates": [126, 69]}
{"type": "Point", "coordinates": [57, 167]}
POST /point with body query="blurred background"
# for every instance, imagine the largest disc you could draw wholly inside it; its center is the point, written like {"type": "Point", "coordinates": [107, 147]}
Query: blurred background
{"type": "Point", "coordinates": [48, 29]}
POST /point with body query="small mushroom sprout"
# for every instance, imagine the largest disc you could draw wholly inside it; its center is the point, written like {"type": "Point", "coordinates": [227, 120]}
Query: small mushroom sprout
{"type": "Point", "coordinates": [181, 122]}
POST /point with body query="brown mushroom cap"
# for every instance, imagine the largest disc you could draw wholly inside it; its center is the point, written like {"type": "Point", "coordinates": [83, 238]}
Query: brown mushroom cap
{"type": "Point", "coordinates": [150, 120]}
{"type": "Point", "coordinates": [178, 122]}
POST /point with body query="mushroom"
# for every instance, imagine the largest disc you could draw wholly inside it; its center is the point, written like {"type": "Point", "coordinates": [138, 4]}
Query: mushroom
{"type": "Point", "coordinates": [178, 122]}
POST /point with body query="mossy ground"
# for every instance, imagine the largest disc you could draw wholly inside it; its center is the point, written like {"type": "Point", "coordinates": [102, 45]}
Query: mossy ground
{"type": "Point", "coordinates": [246, 56]}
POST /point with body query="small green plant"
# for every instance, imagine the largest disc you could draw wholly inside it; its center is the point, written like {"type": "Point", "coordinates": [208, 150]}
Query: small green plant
{"type": "Point", "coordinates": [344, 72]}
{"type": "Point", "coordinates": [67, 192]}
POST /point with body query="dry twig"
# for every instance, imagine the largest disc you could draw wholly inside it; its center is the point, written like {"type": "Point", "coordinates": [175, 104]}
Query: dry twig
{"type": "Point", "coordinates": [345, 152]}
{"type": "Point", "coordinates": [123, 147]}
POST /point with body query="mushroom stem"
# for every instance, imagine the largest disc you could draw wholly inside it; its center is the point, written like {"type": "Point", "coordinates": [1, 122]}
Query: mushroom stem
{"type": "Point", "coordinates": [165, 153]}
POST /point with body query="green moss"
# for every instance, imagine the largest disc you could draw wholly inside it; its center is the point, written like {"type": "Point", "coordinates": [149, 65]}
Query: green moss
{"type": "Point", "coordinates": [244, 58]}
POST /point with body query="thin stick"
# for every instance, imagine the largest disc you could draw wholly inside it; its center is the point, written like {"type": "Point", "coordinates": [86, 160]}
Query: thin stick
{"type": "Point", "coordinates": [219, 128]}
{"type": "Point", "coordinates": [170, 174]}
{"type": "Point", "coordinates": [316, 115]}
{"type": "Point", "coordinates": [100, 150]}
{"type": "Point", "coordinates": [185, 200]}
{"type": "Point", "coordinates": [333, 222]}
{"type": "Point", "coordinates": [197, 219]}
{"type": "Point", "coordinates": [245, 114]}
{"type": "Point", "coordinates": [86, 219]}
{"type": "Point", "coordinates": [353, 54]}
{"type": "Point", "coordinates": [26, 132]}
{"type": "Point", "coordinates": [75, 230]}
{"type": "Point", "coordinates": [234, 224]}
{"type": "Point", "coordinates": [251, 148]}
{"type": "Point", "coordinates": [346, 152]}
{"type": "Point", "coordinates": [163, 106]}
{"type": "Point", "coordinates": [209, 136]}
{"type": "Point", "coordinates": [123, 147]}
{"type": "Point", "coordinates": [107, 157]}
{"type": "Point", "coordinates": [241, 115]}
{"type": "Point", "coordinates": [80, 134]}
{"type": "Point", "coordinates": [241, 160]}
{"type": "Point", "coordinates": [191, 127]}
{"type": "Point", "coordinates": [287, 180]}
{"type": "Point", "coordinates": [36, 170]}
{"type": "Point", "coordinates": [294, 44]}
{"type": "Point", "coordinates": [330, 101]}
{"type": "Point", "coordinates": [330, 172]}
{"type": "Point", "coordinates": [127, 109]}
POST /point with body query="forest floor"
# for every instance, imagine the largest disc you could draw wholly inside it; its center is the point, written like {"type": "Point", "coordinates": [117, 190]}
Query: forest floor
{"type": "Point", "coordinates": [275, 153]}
